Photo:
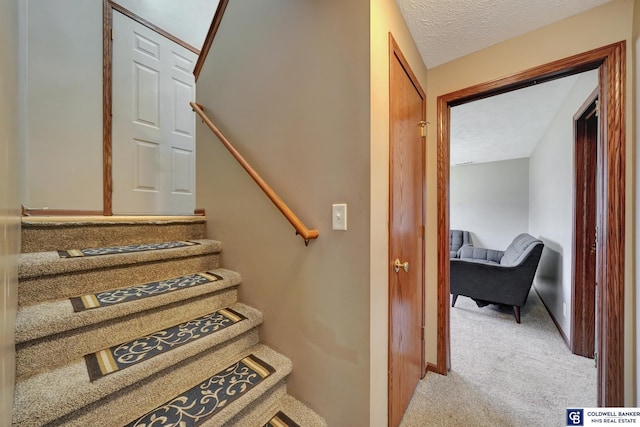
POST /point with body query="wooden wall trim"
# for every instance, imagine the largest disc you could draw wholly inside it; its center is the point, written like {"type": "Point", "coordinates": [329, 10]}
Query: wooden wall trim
{"type": "Point", "coordinates": [431, 368]}
{"type": "Point", "coordinates": [611, 62]}
{"type": "Point", "coordinates": [151, 26]}
{"type": "Point", "coordinates": [30, 212]}
{"type": "Point", "coordinates": [443, 170]}
{"type": "Point", "coordinates": [612, 236]}
{"type": "Point", "coordinates": [107, 57]}
{"type": "Point", "coordinates": [553, 318]}
{"type": "Point", "coordinates": [211, 34]}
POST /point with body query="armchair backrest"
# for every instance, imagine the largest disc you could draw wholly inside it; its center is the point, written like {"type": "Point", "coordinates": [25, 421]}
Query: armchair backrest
{"type": "Point", "coordinates": [519, 249]}
{"type": "Point", "coordinates": [458, 238]}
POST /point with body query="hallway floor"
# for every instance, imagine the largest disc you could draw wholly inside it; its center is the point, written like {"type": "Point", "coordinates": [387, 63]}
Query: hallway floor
{"type": "Point", "coordinates": [504, 373]}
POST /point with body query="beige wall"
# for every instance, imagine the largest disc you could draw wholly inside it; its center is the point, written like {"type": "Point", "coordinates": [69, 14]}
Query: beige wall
{"type": "Point", "coordinates": [9, 205]}
{"type": "Point", "coordinates": [385, 18]}
{"type": "Point", "coordinates": [597, 27]}
{"type": "Point", "coordinates": [62, 97]}
{"type": "Point", "coordinates": [291, 90]}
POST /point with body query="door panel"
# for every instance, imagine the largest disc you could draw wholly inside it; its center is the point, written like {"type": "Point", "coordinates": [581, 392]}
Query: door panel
{"type": "Point", "coordinates": [406, 240]}
{"type": "Point", "coordinates": [153, 124]}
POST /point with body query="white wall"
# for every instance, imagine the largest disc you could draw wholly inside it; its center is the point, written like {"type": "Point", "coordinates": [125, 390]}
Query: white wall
{"type": "Point", "coordinates": [9, 204]}
{"type": "Point", "coordinates": [491, 201]}
{"type": "Point", "coordinates": [62, 90]}
{"type": "Point", "coordinates": [551, 202]}
{"type": "Point", "coordinates": [189, 20]}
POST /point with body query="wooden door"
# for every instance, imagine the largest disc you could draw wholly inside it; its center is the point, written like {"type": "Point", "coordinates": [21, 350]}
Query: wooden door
{"type": "Point", "coordinates": [406, 234]}
{"type": "Point", "coordinates": [153, 124]}
{"type": "Point", "coordinates": [583, 328]}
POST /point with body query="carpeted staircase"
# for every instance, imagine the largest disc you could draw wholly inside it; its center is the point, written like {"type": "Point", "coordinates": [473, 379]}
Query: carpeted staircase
{"type": "Point", "coordinates": [148, 332]}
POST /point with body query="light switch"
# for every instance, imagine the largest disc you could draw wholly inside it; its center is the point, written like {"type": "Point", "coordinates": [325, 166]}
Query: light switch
{"type": "Point", "coordinates": [339, 216]}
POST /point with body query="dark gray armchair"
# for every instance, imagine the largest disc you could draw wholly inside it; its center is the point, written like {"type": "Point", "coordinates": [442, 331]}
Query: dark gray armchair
{"type": "Point", "coordinates": [458, 239]}
{"type": "Point", "coordinates": [497, 277]}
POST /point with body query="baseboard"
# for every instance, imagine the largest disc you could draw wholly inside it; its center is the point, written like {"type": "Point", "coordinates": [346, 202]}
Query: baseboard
{"type": "Point", "coordinates": [555, 322]}
{"type": "Point", "coordinates": [431, 368]}
{"type": "Point", "coordinates": [58, 212]}
{"type": "Point", "coordinates": [78, 212]}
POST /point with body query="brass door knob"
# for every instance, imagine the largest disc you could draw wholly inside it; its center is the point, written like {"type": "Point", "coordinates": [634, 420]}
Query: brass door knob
{"type": "Point", "coordinates": [397, 265]}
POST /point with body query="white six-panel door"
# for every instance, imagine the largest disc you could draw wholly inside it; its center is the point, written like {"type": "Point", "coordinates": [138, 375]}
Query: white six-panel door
{"type": "Point", "coordinates": [153, 125]}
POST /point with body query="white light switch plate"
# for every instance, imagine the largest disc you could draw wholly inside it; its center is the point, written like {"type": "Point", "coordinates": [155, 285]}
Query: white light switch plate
{"type": "Point", "coordinates": [339, 216]}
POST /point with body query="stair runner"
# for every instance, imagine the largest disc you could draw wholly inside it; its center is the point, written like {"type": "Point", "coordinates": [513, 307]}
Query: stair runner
{"type": "Point", "coordinates": [118, 357]}
{"type": "Point", "coordinates": [169, 348]}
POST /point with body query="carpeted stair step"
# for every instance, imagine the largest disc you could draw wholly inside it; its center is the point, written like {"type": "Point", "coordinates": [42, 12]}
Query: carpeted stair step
{"type": "Point", "coordinates": [50, 334]}
{"type": "Point", "coordinates": [43, 234]}
{"type": "Point", "coordinates": [46, 276]}
{"type": "Point", "coordinates": [290, 412]}
{"type": "Point", "coordinates": [277, 409]}
{"type": "Point", "coordinates": [255, 374]}
{"type": "Point", "coordinates": [188, 348]}
{"type": "Point", "coordinates": [128, 405]}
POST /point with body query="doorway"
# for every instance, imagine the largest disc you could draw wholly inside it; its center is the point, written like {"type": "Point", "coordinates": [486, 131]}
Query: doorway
{"type": "Point", "coordinates": [407, 109]}
{"type": "Point", "coordinates": [610, 62]}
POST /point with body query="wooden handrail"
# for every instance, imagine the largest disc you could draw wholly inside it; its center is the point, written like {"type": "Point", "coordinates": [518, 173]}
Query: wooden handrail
{"type": "Point", "coordinates": [300, 228]}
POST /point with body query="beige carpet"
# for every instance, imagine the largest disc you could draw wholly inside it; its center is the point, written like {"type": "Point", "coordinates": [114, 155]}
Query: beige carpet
{"type": "Point", "coordinates": [504, 373]}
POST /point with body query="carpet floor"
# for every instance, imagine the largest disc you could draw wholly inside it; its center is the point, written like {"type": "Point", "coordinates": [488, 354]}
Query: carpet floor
{"type": "Point", "coordinates": [504, 373]}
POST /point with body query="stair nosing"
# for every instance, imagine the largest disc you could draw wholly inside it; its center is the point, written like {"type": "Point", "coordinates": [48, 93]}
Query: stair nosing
{"type": "Point", "coordinates": [41, 264]}
{"type": "Point", "coordinates": [30, 318]}
{"type": "Point", "coordinates": [94, 220]}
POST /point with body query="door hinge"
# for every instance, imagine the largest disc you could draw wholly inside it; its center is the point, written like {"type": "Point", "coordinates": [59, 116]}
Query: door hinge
{"type": "Point", "coordinates": [422, 333]}
{"type": "Point", "coordinates": [597, 108]}
{"type": "Point", "coordinates": [111, 35]}
{"type": "Point", "coordinates": [595, 358]}
{"type": "Point", "coordinates": [422, 231]}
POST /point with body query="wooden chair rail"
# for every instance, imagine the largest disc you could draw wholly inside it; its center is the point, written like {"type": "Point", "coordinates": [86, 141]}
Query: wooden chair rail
{"type": "Point", "coordinates": [300, 228]}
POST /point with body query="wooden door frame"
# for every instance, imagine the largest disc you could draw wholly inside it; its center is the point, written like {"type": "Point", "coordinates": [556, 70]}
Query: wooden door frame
{"type": "Point", "coordinates": [610, 61]}
{"type": "Point", "coordinates": [582, 338]}
{"type": "Point", "coordinates": [394, 50]}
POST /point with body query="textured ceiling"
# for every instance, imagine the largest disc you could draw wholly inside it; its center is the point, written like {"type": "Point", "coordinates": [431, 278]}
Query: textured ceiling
{"type": "Point", "coordinates": [506, 126]}
{"type": "Point", "coordinates": [448, 29]}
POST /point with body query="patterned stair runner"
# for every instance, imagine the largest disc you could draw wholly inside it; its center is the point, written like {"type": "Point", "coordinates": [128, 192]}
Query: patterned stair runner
{"type": "Point", "coordinates": [117, 296]}
{"type": "Point", "coordinates": [207, 398]}
{"type": "Point", "coordinates": [74, 253]}
{"type": "Point", "coordinates": [122, 356]}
